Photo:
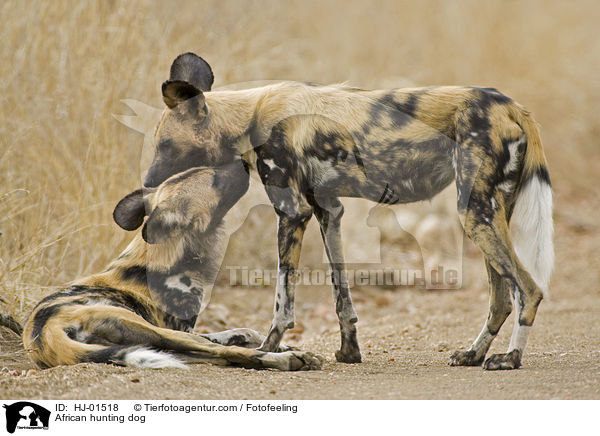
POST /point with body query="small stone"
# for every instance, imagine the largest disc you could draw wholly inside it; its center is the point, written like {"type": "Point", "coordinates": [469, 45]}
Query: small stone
{"type": "Point", "coordinates": [441, 347]}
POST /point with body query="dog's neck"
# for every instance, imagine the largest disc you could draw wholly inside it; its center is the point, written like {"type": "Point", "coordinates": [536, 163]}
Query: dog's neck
{"type": "Point", "coordinates": [177, 275]}
{"type": "Point", "coordinates": [247, 116]}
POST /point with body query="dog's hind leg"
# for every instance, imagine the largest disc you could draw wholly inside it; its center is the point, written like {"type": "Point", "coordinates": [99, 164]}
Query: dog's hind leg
{"type": "Point", "coordinates": [242, 337]}
{"type": "Point", "coordinates": [493, 240]}
{"type": "Point", "coordinates": [500, 308]}
{"type": "Point", "coordinates": [329, 216]}
{"type": "Point", "coordinates": [129, 332]}
{"type": "Point", "coordinates": [483, 210]}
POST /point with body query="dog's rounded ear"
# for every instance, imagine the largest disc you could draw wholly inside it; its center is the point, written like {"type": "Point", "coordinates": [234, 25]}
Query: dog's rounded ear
{"type": "Point", "coordinates": [129, 213]}
{"type": "Point", "coordinates": [192, 69]}
{"type": "Point", "coordinates": [176, 91]}
{"type": "Point", "coordinates": [189, 77]}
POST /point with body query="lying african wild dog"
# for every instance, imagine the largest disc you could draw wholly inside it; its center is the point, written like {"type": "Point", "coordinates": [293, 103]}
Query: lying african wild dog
{"type": "Point", "coordinates": [140, 310]}
{"type": "Point", "coordinates": [313, 144]}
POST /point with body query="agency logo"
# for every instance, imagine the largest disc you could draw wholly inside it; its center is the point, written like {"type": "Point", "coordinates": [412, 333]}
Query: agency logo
{"type": "Point", "coordinates": [26, 415]}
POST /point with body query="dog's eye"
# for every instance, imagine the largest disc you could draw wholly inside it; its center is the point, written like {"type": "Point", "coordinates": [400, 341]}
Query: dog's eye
{"type": "Point", "coordinates": [165, 145]}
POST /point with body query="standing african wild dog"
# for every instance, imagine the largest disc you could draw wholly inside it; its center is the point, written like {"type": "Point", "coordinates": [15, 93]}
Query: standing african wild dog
{"type": "Point", "coordinates": [313, 144]}
{"type": "Point", "coordinates": [140, 311]}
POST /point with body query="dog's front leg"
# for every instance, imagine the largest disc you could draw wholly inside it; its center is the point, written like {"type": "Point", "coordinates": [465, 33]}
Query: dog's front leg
{"type": "Point", "coordinates": [242, 337]}
{"type": "Point", "coordinates": [329, 216]}
{"type": "Point", "coordinates": [289, 235]}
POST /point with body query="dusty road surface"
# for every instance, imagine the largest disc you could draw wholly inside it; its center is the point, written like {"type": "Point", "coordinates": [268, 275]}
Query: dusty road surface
{"type": "Point", "coordinates": [406, 337]}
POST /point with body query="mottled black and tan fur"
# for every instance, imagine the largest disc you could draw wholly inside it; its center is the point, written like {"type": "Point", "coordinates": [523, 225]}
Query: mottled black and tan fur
{"type": "Point", "coordinates": [141, 310]}
{"type": "Point", "coordinates": [313, 144]}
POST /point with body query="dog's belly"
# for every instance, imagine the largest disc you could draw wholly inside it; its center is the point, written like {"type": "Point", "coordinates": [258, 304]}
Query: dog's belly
{"type": "Point", "coordinates": [392, 174]}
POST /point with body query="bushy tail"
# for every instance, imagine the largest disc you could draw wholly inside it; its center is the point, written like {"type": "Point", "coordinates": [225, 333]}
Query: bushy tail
{"type": "Point", "coordinates": [531, 224]}
{"type": "Point", "coordinates": [134, 356]}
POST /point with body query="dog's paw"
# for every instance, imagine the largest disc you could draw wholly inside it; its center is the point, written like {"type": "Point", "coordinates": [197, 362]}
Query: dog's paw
{"type": "Point", "coordinates": [465, 358]}
{"type": "Point", "coordinates": [510, 360]}
{"type": "Point", "coordinates": [304, 361]}
{"type": "Point", "coordinates": [284, 348]}
{"type": "Point", "coordinates": [351, 356]}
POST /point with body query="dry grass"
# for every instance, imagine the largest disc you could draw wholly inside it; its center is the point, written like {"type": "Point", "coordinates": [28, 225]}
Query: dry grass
{"type": "Point", "coordinates": [65, 161]}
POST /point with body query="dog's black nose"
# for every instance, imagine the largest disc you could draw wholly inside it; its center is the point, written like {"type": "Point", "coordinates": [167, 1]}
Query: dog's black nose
{"type": "Point", "coordinates": [152, 180]}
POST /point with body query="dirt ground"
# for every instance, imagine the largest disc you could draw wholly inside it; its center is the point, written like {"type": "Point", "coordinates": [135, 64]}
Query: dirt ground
{"type": "Point", "coordinates": [406, 337]}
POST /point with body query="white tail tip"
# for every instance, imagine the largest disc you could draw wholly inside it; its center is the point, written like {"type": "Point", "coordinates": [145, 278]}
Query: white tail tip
{"type": "Point", "coordinates": [146, 358]}
{"type": "Point", "coordinates": [532, 231]}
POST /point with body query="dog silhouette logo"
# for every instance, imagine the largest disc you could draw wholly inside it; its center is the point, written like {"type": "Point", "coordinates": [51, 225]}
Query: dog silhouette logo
{"type": "Point", "coordinates": [26, 415]}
